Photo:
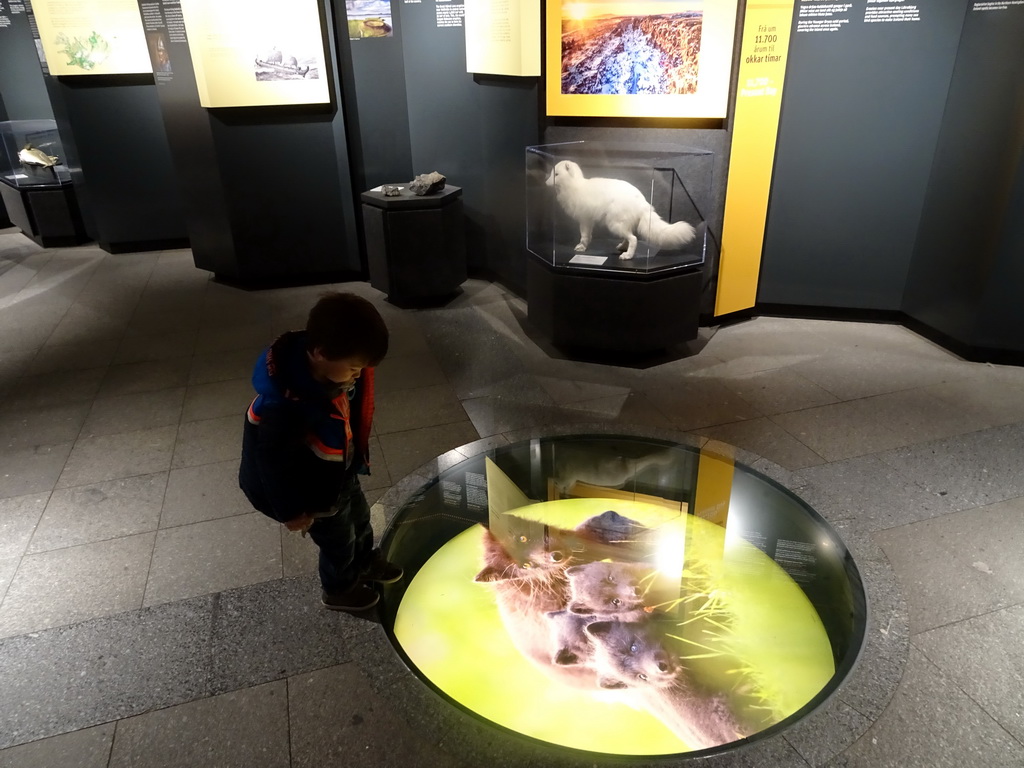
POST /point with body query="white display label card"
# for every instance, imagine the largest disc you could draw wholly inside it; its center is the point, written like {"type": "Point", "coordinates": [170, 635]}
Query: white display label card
{"type": "Point", "coordinates": [583, 258]}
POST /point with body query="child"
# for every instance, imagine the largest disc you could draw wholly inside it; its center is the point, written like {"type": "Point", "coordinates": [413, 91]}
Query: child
{"type": "Point", "coordinates": [306, 439]}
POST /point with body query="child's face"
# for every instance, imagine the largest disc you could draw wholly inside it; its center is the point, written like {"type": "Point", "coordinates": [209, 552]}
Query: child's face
{"type": "Point", "coordinates": [342, 372]}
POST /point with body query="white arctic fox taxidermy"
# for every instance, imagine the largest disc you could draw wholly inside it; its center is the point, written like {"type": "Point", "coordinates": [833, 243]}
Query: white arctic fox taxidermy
{"type": "Point", "coordinates": [616, 204]}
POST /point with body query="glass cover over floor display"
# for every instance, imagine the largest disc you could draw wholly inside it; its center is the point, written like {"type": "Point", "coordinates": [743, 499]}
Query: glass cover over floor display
{"type": "Point", "coordinates": [632, 208]}
{"type": "Point", "coordinates": [31, 154]}
{"type": "Point", "coordinates": [622, 595]}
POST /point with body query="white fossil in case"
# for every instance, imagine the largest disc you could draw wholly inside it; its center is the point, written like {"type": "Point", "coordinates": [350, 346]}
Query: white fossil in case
{"type": "Point", "coordinates": [30, 155]}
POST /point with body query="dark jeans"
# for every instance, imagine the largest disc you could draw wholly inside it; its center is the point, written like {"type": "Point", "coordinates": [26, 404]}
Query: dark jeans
{"type": "Point", "coordinates": [345, 540]}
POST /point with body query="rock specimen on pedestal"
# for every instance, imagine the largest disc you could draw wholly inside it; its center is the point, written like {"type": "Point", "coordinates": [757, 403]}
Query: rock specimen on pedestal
{"type": "Point", "coordinates": [427, 183]}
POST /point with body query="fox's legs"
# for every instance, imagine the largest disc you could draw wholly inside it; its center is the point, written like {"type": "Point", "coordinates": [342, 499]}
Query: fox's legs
{"type": "Point", "coordinates": [628, 244]}
{"type": "Point", "coordinates": [586, 232]}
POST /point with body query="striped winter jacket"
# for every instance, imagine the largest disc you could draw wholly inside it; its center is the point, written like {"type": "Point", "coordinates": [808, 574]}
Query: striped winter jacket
{"type": "Point", "coordinates": [300, 447]}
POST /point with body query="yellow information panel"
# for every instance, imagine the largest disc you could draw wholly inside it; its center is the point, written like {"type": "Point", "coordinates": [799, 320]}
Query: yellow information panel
{"type": "Point", "coordinates": [766, 32]}
{"type": "Point", "coordinates": [639, 58]}
{"type": "Point", "coordinates": [252, 53]}
{"type": "Point", "coordinates": [503, 37]}
{"type": "Point", "coordinates": [102, 37]}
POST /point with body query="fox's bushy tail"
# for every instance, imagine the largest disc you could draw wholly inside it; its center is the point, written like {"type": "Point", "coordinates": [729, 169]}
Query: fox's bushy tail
{"type": "Point", "coordinates": [656, 231]}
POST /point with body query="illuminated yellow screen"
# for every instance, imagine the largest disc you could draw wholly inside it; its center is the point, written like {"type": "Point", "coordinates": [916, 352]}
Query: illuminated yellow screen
{"type": "Point", "coordinates": [710, 640]}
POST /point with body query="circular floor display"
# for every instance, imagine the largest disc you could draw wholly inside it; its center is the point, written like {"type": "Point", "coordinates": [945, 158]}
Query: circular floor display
{"type": "Point", "coordinates": [622, 595]}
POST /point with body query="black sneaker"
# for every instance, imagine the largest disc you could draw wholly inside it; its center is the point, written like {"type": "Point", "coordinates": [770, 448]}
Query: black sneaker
{"type": "Point", "coordinates": [361, 597]}
{"type": "Point", "coordinates": [381, 571]}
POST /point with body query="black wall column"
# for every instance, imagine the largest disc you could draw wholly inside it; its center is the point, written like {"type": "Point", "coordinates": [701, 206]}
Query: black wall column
{"type": "Point", "coordinates": [120, 160]}
{"type": "Point", "coordinates": [967, 275]}
{"type": "Point", "coordinates": [267, 189]}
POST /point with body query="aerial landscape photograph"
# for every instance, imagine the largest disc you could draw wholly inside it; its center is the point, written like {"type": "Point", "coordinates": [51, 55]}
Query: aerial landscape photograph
{"type": "Point", "coordinates": [625, 48]}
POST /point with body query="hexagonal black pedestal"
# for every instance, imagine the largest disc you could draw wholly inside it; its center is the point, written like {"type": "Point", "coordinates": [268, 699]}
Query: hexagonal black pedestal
{"type": "Point", "coordinates": [610, 312]}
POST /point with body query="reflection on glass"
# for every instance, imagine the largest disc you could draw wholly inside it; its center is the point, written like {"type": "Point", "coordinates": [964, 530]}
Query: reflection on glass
{"type": "Point", "coordinates": [649, 601]}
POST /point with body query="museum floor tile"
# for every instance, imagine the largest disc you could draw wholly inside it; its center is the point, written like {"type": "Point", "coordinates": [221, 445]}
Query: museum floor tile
{"type": "Point", "coordinates": [148, 617]}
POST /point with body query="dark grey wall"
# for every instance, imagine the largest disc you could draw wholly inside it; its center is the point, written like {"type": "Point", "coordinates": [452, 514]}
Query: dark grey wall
{"type": "Point", "coordinates": [376, 106]}
{"type": "Point", "coordinates": [506, 122]}
{"type": "Point", "coordinates": [967, 275]}
{"type": "Point", "coordinates": [861, 113]}
{"type": "Point", "coordinates": [22, 90]}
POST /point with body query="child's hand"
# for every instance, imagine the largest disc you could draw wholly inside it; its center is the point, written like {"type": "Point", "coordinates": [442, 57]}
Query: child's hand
{"type": "Point", "coordinates": [301, 523]}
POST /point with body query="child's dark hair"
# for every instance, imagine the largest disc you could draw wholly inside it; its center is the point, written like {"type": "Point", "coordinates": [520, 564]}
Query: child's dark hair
{"type": "Point", "coordinates": [344, 325]}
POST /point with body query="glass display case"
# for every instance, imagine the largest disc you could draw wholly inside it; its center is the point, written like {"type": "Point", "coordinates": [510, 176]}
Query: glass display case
{"type": "Point", "coordinates": [31, 154]}
{"type": "Point", "coordinates": [626, 208]}
{"type": "Point", "coordinates": [37, 190]}
{"type": "Point", "coordinates": [622, 595]}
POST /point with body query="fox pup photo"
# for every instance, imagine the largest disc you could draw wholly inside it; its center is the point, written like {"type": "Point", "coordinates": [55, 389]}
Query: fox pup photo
{"type": "Point", "coordinates": [591, 625]}
{"type": "Point", "coordinates": [616, 205]}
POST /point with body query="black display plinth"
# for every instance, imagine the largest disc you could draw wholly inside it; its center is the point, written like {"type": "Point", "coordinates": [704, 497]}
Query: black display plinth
{"type": "Point", "coordinates": [48, 216]}
{"type": "Point", "coordinates": [618, 314]}
{"type": "Point", "coordinates": [415, 246]}
{"type": "Point", "coordinates": [125, 184]}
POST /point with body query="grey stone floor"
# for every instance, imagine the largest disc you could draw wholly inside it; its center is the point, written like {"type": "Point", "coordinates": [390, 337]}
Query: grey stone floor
{"type": "Point", "coordinates": [149, 618]}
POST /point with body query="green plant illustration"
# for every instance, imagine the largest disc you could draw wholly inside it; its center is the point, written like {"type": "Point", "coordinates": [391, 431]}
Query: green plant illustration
{"type": "Point", "coordinates": [84, 53]}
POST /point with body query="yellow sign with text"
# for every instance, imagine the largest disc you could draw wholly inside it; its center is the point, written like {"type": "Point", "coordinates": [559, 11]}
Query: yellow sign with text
{"type": "Point", "coordinates": [765, 46]}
